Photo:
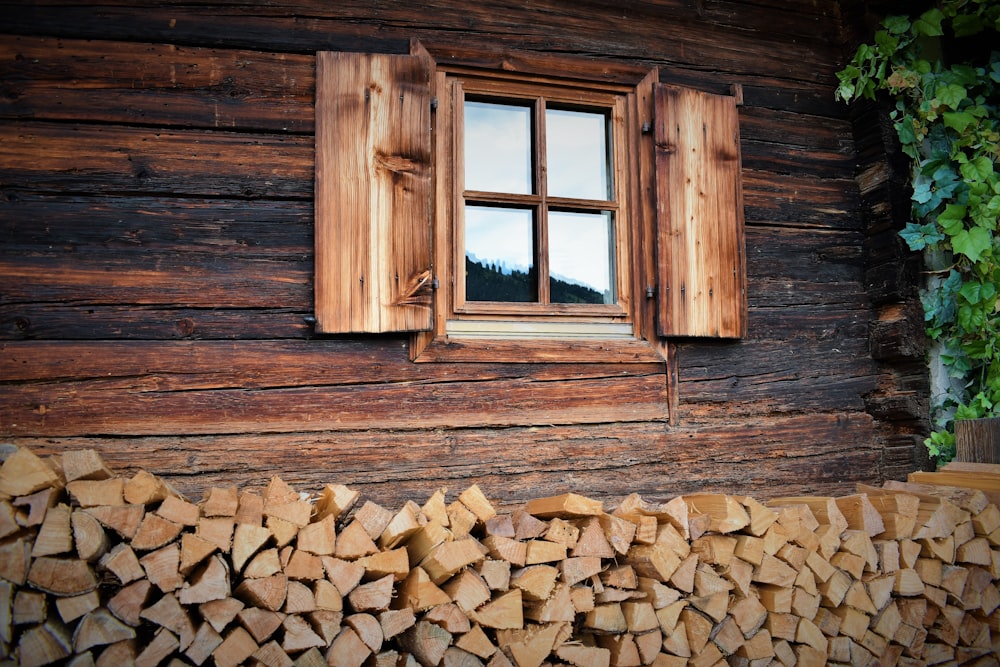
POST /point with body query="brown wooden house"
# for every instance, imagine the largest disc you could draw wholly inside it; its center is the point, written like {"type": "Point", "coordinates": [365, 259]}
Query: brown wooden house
{"type": "Point", "coordinates": [235, 242]}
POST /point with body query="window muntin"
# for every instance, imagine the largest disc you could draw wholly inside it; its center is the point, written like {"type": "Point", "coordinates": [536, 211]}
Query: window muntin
{"type": "Point", "coordinates": [549, 156]}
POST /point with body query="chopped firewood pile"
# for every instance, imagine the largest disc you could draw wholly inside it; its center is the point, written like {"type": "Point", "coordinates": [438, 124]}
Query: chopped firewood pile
{"type": "Point", "coordinates": [98, 569]}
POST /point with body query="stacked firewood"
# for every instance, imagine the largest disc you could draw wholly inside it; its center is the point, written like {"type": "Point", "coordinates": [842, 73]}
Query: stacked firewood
{"type": "Point", "coordinates": [98, 569]}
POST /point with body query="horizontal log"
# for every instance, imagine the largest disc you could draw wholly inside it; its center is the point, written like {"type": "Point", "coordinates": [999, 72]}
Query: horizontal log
{"type": "Point", "coordinates": [817, 453]}
{"type": "Point", "coordinates": [146, 406]}
{"type": "Point", "coordinates": [614, 34]}
{"type": "Point", "coordinates": [155, 84]}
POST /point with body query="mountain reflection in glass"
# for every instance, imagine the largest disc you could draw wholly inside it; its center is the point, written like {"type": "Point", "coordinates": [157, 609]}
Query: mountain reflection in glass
{"type": "Point", "coordinates": [498, 148]}
{"type": "Point", "coordinates": [499, 256]}
{"type": "Point", "coordinates": [580, 257]}
{"type": "Point", "coordinates": [577, 154]}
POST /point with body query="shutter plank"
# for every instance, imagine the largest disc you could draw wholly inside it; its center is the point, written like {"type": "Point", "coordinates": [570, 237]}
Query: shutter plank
{"type": "Point", "coordinates": [700, 238]}
{"type": "Point", "coordinates": [373, 189]}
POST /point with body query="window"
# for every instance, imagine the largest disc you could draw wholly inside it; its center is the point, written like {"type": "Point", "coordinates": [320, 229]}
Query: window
{"type": "Point", "coordinates": [524, 208]}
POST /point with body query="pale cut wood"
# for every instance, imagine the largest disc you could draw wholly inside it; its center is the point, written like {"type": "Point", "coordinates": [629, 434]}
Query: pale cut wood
{"type": "Point", "coordinates": [127, 604]}
{"type": "Point", "coordinates": [981, 480]}
{"type": "Point", "coordinates": [374, 596]}
{"type": "Point", "coordinates": [55, 535]}
{"type": "Point", "coordinates": [450, 557]}
{"type": "Point", "coordinates": [725, 513]}
{"type": "Point", "coordinates": [354, 542]}
{"type": "Point", "coordinates": [303, 566]}
{"type": "Point", "coordinates": [168, 613]}
{"type": "Point", "coordinates": [219, 613]}
{"type": "Point", "coordinates": [299, 599]}
{"type": "Point", "coordinates": [468, 589]}
{"type": "Point", "coordinates": [318, 537]}
{"type": "Point", "coordinates": [700, 239]}
{"type": "Point", "coordinates": [264, 564]}
{"type": "Point", "coordinates": [72, 608]}
{"type": "Point", "coordinates": [395, 621]}
{"type": "Point", "coordinates": [193, 551]}
{"type": "Point", "coordinates": [266, 592]}
{"type": "Point", "coordinates": [24, 473]}
{"type": "Point", "coordinates": [162, 568]}
{"type": "Point", "coordinates": [299, 635]}
{"type": "Point", "coordinates": [250, 509]}
{"type": "Point", "coordinates": [145, 488]}
{"type": "Point", "coordinates": [272, 654]}
{"type": "Point", "coordinates": [372, 232]}
{"type": "Point", "coordinates": [394, 562]}
{"type": "Point", "coordinates": [123, 519]}
{"type": "Point", "coordinates": [326, 624]}
{"type": "Point", "coordinates": [260, 623]}
{"type": "Point", "coordinates": [565, 505]}
{"type": "Point", "coordinates": [345, 575]}
{"type": "Point", "coordinates": [29, 607]}
{"type": "Point", "coordinates": [179, 511]}
{"type": "Point", "coordinates": [43, 644]}
{"type": "Point", "coordinates": [221, 502]}
{"type": "Point", "coordinates": [474, 499]}
{"type": "Point", "coordinates": [154, 532]}
{"type": "Point", "coordinates": [209, 583]}
{"type": "Point", "coordinates": [503, 612]}
{"type": "Point", "coordinates": [234, 650]}
{"type": "Point", "coordinates": [461, 520]}
{"type": "Point", "coordinates": [61, 576]}
{"type": "Point", "coordinates": [93, 493]}
{"type": "Point", "coordinates": [99, 628]}
{"type": "Point", "coordinates": [476, 642]}
{"type": "Point", "coordinates": [217, 530]}
{"type": "Point", "coordinates": [496, 573]}
{"type": "Point", "coordinates": [403, 524]}
{"type": "Point", "coordinates": [84, 464]}
{"type": "Point", "coordinates": [426, 642]}
{"type": "Point", "coordinates": [206, 640]}
{"type": "Point", "coordinates": [335, 500]}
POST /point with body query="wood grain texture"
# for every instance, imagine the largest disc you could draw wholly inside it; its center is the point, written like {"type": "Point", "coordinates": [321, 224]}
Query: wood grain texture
{"type": "Point", "coordinates": [700, 215]}
{"type": "Point", "coordinates": [157, 201]}
{"type": "Point", "coordinates": [373, 193]}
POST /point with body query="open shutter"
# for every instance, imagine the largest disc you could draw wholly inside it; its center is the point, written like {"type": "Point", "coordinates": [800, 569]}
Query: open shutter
{"type": "Point", "coordinates": [373, 192]}
{"type": "Point", "coordinates": [699, 215]}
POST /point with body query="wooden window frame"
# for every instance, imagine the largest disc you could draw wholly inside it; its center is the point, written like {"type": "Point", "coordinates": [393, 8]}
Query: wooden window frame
{"type": "Point", "coordinates": [386, 204]}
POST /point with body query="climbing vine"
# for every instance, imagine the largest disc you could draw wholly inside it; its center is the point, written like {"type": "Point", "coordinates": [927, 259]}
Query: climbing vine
{"type": "Point", "coordinates": [943, 72]}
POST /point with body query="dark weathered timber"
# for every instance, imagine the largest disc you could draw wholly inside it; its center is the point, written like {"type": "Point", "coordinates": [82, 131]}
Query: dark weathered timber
{"type": "Point", "coordinates": [811, 454]}
{"type": "Point", "coordinates": [156, 246]}
{"type": "Point", "coordinates": [540, 26]}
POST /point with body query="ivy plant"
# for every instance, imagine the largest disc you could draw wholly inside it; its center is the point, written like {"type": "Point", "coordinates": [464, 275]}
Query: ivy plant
{"type": "Point", "coordinates": [940, 70]}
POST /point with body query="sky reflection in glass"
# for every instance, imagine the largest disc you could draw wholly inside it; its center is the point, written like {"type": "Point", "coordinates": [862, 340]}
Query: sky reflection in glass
{"type": "Point", "coordinates": [577, 154]}
{"type": "Point", "coordinates": [580, 252]}
{"type": "Point", "coordinates": [501, 240]}
{"type": "Point", "coordinates": [497, 148]}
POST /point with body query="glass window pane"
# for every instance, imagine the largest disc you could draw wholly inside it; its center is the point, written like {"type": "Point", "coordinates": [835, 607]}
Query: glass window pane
{"type": "Point", "coordinates": [499, 255]}
{"type": "Point", "coordinates": [498, 148]}
{"type": "Point", "coordinates": [577, 154]}
{"type": "Point", "coordinates": [581, 257]}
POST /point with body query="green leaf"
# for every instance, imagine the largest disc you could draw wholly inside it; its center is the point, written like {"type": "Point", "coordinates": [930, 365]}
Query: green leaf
{"type": "Point", "coordinates": [951, 95]}
{"type": "Point", "coordinates": [972, 242]}
{"type": "Point", "coordinates": [897, 25]}
{"type": "Point", "coordinates": [978, 169]}
{"type": "Point", "coordinates": [929, 23]}
{"type": "Point", "coordinates": [967, 24]}
{"type": "Point", "coordinates": [958, 120]}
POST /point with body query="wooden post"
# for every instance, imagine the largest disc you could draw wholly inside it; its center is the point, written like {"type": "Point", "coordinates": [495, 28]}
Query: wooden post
{"type": "Point", "coordinates": [978, 440]}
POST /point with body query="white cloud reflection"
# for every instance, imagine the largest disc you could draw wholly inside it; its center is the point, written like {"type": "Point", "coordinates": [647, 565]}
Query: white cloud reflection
{"type": "Point", "coordinates": [498, 146]}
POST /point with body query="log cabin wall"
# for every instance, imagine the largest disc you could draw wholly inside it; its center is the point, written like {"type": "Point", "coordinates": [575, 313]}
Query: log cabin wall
{"type": "Point", "coordinates": [156, 243]}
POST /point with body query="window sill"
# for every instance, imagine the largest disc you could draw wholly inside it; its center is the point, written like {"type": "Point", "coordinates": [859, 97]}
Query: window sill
{"type": "Point", "coordinates": [527, 342]}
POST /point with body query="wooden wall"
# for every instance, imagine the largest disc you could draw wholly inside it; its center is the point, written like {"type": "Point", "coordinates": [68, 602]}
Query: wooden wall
{"type": "Point", "coordinates": [156, 183]}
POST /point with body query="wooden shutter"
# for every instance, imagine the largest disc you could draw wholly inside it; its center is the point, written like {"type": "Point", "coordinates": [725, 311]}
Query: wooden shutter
{"type": "Point", "coordinates": [699, 211]}
{"type": "Point", "coordinates": [373, 192]}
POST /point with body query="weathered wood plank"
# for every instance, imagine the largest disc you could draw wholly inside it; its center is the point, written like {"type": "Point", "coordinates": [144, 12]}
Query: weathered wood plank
{"type": "Point", "coordinates": [140, 278]}
{"type": "Point", "coordinates": [155, 84]}
{"type": "Point", "coordinates": [815, 454]}
{"type": "Point", "coordinates": [142, 407]}
{"type": "Point", "coordinates": [116, 160]}
{"type": "Point", "coordinates": [140, 224]}
{"type": "Point", "coordinates": [688, 39]}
